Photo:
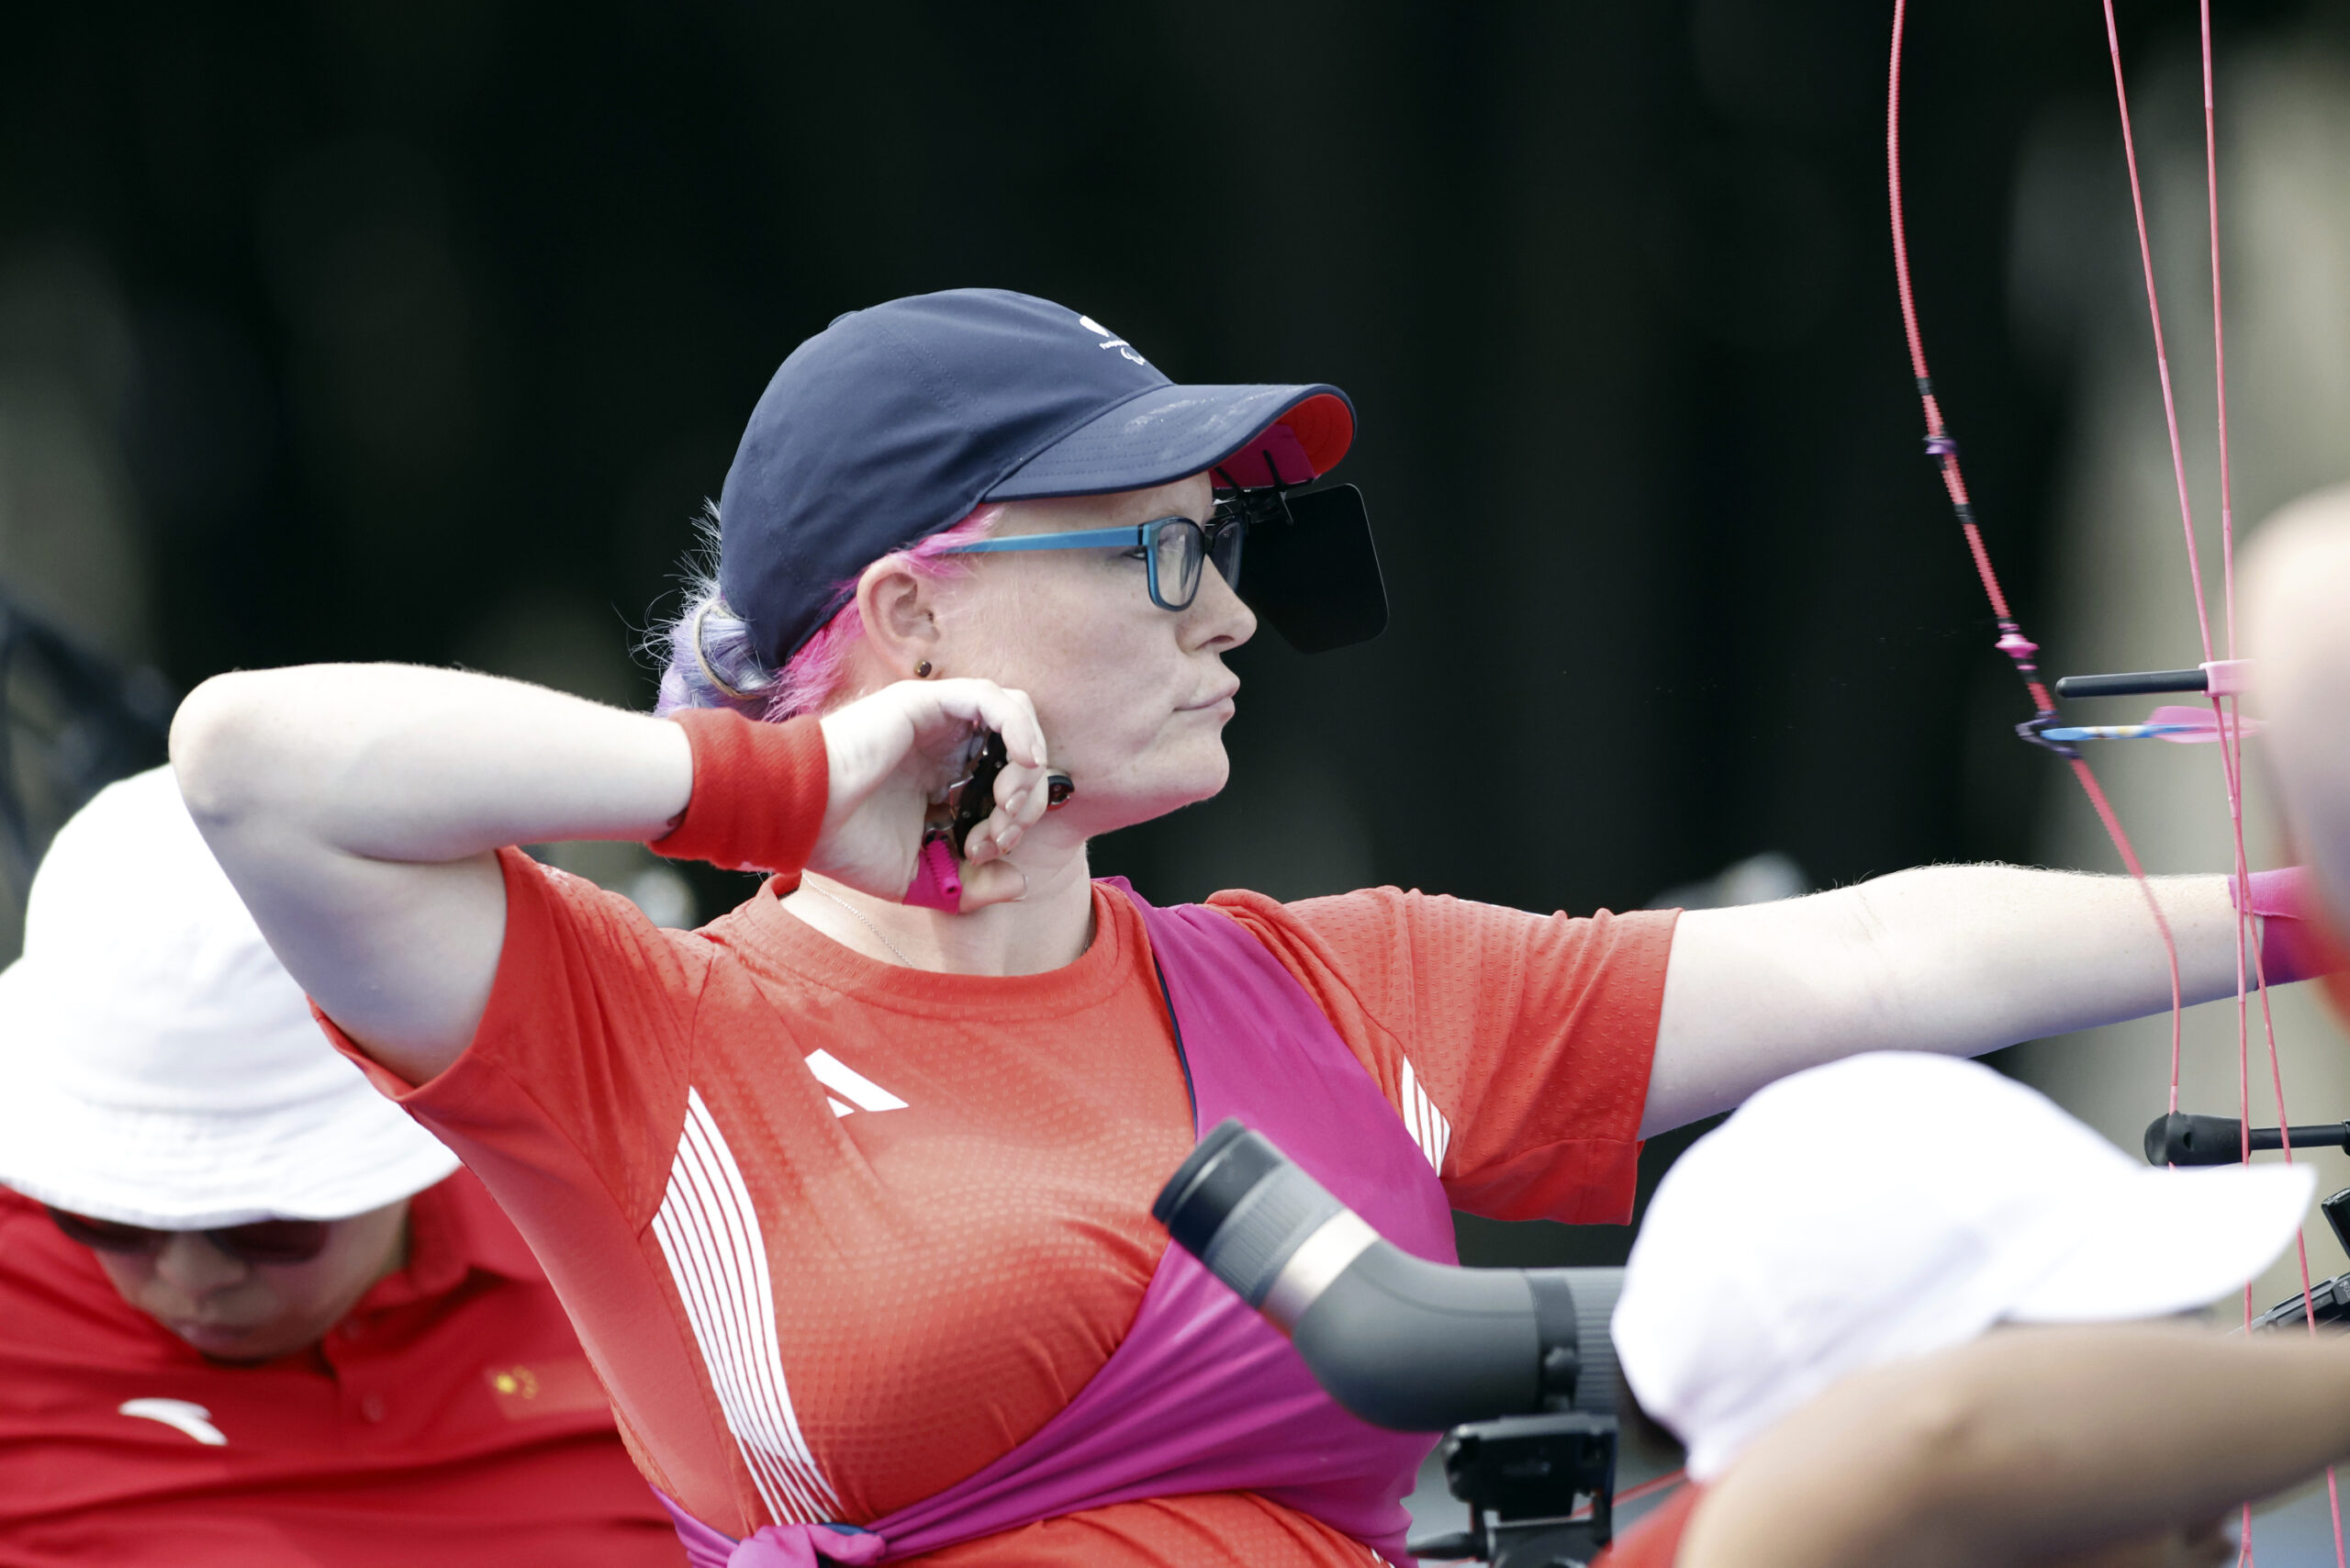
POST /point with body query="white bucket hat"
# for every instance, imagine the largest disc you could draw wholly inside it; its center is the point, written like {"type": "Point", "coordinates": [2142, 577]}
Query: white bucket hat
{"type": "Point", "coordinates": [1897, 1204]}
{"type": "Point", "coordinates": [158, 1066]}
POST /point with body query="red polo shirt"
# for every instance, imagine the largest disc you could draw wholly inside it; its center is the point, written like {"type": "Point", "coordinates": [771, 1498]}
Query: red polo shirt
{"type": "Point", "coordinates": [449, 1420]}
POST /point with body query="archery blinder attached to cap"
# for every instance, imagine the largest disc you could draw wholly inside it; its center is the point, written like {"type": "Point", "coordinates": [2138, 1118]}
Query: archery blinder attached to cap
{"type": "Point", "coordinates": [1308, 563]}
{"type": "Point", "coordinates": [1314, 574]}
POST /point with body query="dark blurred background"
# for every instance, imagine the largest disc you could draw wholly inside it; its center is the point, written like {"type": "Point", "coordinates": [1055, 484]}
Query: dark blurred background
{"type": "Point", "coordinates": [420, 329]}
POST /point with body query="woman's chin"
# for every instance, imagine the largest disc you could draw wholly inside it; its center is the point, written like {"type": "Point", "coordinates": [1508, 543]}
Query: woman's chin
{"type": "Point", "coordinates": [1201, 777]}
{"type": "Point", "coordinates": [1156, 792]}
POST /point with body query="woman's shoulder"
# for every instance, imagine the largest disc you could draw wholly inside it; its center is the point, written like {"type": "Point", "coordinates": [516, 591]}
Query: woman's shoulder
{"type": "Point", "coordinates": [1356, 940]}
{"type": "Point", "coordinates": [1402, 952]}
{"type": "Point", "coordinates": [1371, 920]}
{"type": "Point", "coordinates": [1388, 915]}
{"type": "Point", "coordinates": [1324, 909]}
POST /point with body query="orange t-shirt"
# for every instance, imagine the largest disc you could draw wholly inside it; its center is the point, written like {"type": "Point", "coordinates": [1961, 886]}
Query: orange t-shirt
{"type": "Point", "coordinates": [838, 1234]}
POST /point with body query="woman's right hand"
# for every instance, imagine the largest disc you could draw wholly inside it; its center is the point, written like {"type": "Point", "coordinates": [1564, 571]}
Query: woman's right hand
{"type": "Point", "coordinates": [894, 752]}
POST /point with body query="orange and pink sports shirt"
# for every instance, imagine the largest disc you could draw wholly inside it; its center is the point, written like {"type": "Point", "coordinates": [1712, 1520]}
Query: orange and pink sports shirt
{"type": "Point", "coordinates": [836, 1233]}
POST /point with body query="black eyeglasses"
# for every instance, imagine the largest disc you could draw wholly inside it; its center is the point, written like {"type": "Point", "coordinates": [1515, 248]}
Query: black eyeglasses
{"type": "Point", "coordinates": [261, 1241]}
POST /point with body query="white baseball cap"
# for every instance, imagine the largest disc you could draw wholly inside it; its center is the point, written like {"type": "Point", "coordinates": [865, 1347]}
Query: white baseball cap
{"type": "Point", "coordinates": [158, 1066]}
{"type": "Point", "coordinates": [1896, 1204]}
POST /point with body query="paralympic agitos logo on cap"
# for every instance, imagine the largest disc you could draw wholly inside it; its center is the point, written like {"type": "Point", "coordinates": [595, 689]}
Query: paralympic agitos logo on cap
{"type": "Point", "coordinates": [1111, 339]}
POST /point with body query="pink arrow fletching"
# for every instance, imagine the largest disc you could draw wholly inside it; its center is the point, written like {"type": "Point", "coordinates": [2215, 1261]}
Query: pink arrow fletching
{"type": "Point", "coordinates": [2199, 727]}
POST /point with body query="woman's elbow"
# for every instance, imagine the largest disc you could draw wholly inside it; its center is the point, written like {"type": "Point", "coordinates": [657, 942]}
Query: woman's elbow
{"type": "Point", "coordinates": [218, 745]}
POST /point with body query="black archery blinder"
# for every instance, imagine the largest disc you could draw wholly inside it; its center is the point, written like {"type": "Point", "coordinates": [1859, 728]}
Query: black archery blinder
{"type": "Point", "coordinates": [1309, 567]}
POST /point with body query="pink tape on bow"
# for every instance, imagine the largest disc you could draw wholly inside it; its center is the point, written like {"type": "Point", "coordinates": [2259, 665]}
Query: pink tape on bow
{"type": "Point", "coordinates": [935, 884]}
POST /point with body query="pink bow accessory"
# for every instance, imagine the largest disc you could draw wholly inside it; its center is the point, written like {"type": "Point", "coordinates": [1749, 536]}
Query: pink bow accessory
{"type": "Point", "coordinates": [2296, 943]}
{"type": "Point", "coordinates": [935, 883]}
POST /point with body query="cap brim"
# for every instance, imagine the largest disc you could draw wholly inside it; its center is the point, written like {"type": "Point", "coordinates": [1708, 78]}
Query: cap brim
{"type": "Point", "coordinates": [184, 1173]}
{"type": "Point", "coordinates": [326, 1147]}
{"type": "Point", "coordinates": [2158, 1242]}
{"type": "Point", "coordinates": [1173, 432]}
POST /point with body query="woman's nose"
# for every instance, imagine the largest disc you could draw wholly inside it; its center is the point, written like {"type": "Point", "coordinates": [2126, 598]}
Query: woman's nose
{"type": "Point", "coordinates": [1218, 617]}
{"type": "Point", "coordinates": [190, 1263]}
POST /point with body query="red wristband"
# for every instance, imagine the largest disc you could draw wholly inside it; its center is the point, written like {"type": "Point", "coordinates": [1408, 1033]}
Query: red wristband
{"type": "Point", "coordinates": [2297, 941]}
{"type": "Point", "coordinates": [759, 792]}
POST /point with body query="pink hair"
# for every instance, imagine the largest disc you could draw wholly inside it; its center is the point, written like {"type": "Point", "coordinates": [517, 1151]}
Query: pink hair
{"type": "Point", "coordinates": [817, 673]}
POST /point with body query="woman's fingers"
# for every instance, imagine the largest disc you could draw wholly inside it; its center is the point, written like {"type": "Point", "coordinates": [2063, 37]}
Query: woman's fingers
{"type": "Point", "coordinates": [1020, 786]}
{"type": "Point", "coordinates": [1009, 713]}
{"type": "Point", "coordinates": [923, 727]}
{"type": "Point", "coordinates": [1006, 712]}
{"type": "Point", "coordinates": [1021, 799]}
{"type": "Point", "coordinates": [993, 883]}
{"type": "Point", "coordinates": [897, 748]}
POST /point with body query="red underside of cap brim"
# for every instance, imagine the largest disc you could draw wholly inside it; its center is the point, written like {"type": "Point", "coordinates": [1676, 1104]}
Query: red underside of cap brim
{"type": "Point", "coordinates": [1325, 427]}
{"type": "Point", "coordinates": [1296, 449]}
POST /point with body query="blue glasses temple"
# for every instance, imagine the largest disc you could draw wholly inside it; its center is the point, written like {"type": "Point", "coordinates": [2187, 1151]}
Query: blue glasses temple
{"type": "Point", "coordinates": [1083, 539]}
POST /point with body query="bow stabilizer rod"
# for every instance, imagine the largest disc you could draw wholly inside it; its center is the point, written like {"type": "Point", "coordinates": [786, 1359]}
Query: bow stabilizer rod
{"type": "Point", "coordinates": [2217, 678]}
{"type": "Point", "coordinates": [2183, 1139]}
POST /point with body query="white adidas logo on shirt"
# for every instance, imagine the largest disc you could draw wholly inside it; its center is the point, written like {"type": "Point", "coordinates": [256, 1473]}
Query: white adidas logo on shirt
{"type": "Point", "coordinates": [851, 1090]}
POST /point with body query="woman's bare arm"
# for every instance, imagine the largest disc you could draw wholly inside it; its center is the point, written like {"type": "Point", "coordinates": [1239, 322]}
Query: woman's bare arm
{"type": "Point", "coordinates": [1965, 959]}
{"type": "Point", "coordinates": [1960, 959]}
{"type": "Point", "coordinates": [2026, 1446]}
{"type": "Point", "coordinates": [355, 807]}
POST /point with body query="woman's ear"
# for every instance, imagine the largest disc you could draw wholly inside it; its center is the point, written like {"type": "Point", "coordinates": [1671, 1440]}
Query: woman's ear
{"type": "Point", "coordinates": [901, 618]}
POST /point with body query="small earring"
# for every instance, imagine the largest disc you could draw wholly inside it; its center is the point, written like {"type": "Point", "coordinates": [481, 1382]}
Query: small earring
{"type": "Point", "coordinates": [922, 670]}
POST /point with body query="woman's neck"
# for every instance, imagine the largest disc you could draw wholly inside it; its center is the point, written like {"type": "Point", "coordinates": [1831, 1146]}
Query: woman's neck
{"type": "Point", "coordinates": [1049, 929]}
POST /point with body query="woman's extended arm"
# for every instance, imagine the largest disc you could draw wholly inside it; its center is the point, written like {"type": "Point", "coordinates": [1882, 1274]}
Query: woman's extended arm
{"type": "Point", "coordinates": [2027, 1445]}
{"type": "Point", "coordinates": [1967, 959]}
{"type": "Point", "coordinates": [357, 808]}
{"type": "Point", "coordinates": [1960, 959]}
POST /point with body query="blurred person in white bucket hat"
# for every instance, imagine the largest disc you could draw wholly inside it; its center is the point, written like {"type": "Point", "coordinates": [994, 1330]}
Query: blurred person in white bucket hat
{"type": "Point", "coordinates": [1904, 1311]}
{"type": "Point", "coordinates": [250, 1312]}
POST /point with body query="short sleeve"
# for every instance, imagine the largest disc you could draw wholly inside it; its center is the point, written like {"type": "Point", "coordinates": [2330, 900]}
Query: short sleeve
{"type": "Point", "coordinates": [576, 1076]}
{"type": "Point", "coordinates": [1516, 1046]}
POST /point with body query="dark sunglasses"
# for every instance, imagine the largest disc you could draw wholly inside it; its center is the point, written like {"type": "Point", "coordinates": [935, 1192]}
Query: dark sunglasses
{"type": "Point", "coordinates": [261, 1241]}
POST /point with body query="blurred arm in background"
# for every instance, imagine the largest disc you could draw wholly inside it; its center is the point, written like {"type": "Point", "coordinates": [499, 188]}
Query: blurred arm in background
{"type": "Point", "coordinates": [1958, 959]}
{"type": "Point", "coordinates": [2297, 605]}
{"type": "Point", "coordinates": [2103, 1446]}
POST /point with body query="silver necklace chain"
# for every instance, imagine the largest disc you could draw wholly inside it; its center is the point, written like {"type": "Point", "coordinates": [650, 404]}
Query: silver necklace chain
{"type": "Point", "coordinates": [855, 914]}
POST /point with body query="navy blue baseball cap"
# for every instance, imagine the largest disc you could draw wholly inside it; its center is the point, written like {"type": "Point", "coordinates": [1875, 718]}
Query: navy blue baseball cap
{"type": "Point", "coordinates": [894, 422]}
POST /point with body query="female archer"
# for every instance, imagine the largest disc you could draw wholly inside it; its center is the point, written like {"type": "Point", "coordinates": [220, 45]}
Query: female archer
{"type": "Point", "coordinates": [848, 1192]}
